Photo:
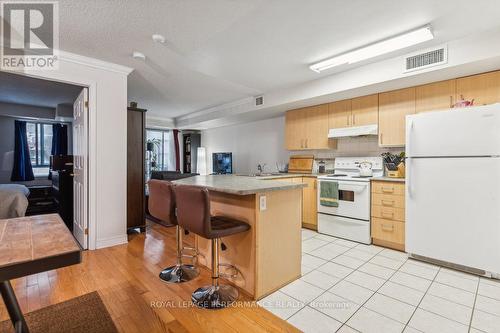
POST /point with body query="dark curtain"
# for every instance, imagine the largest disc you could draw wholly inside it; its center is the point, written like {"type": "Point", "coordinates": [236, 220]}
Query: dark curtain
{"type": "Point", "coordinates": [22, 170]}
{"type": "Point", "coordinates": [59, 139]}
{"type": "Point", "coordinates": [177, 150]}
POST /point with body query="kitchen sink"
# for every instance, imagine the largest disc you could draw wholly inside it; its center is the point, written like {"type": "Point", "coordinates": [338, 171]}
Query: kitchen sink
{"type": "Point", "coordinates": [264, 174]}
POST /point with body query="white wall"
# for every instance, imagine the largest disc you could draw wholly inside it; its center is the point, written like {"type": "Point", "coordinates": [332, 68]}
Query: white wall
{"type": "Point", "coordinates": [107, 142]}
{"type": "Point", "coordinates": [251, 144]}
{"type": "Point", "coordinates": [263, 142]}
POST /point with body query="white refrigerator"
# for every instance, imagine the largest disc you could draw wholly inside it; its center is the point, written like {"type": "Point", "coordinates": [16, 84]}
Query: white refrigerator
{"type": "Point", "coordinates": [453, 188]}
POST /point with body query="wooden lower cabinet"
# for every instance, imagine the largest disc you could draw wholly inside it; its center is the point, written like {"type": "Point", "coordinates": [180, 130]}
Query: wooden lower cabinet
{"type": "Point", "coordinates": [388, 214]}
{"type": "Point", "coordinates": [309, 200]}
{"type": "Point", "coordinates": [388, 200]}
{"type": "Point", "coordinates": [309, 203]}
{"type": "Point", "coordinates": [388, 233]}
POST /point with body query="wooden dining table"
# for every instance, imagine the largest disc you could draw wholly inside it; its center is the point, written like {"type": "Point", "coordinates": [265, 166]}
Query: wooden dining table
{"type": "Point", "coordinates": [30, 245]}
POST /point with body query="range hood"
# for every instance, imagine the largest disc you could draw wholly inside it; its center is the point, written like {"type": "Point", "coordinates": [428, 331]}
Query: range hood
{"type": "Point", "coordinates": [352, 131]}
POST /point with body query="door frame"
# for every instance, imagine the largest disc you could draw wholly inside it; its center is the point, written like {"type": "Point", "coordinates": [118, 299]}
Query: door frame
{"type": "Point", "coordinates": [91, 183]}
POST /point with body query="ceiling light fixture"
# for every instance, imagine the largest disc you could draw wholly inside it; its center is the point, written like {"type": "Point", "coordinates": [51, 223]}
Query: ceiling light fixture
{"type": "Point", "coordinates": [373, 50]}
{"type": "Point", "coordinates": [158, 38]}
{"type": "Point", "coordinates": [138, 55]}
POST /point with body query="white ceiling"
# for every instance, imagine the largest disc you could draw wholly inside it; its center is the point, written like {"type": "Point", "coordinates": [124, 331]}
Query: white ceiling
{"type": "Point", "coordinates": [219, 51]}
{"type": "Point", "coordinates": [20, 89]}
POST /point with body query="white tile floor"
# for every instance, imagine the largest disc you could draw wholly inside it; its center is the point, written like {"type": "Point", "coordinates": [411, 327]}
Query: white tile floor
{"type": "Point", "coordinates": [349, 287]}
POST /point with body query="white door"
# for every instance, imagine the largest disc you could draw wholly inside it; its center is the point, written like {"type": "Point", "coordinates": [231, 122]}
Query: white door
{"type": "Point", "coordinates": [453, 210]}
{"type": "Point", "coordinates": [80, 167]}
{"type": "Point", "coordinates": [468, 132]}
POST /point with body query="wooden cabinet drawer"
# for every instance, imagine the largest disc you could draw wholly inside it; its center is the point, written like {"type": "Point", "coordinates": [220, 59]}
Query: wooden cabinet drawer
{"type": "Point", "coordinates": [389, 213]}
{"type": "Point", "coordinates": [389, 231]}
{"type": "Point", "coordinates": [388, 200]}
{"type": "Point", "coordinates": [388, 188]}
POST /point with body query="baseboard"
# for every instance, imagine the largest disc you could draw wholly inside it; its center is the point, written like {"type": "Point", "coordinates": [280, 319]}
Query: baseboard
{"type": "Point", "coordinates": [111, 241]}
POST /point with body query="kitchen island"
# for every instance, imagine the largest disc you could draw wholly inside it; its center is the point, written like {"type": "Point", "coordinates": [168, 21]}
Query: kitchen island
{"type": "Point", "coordinates": [269, 254]}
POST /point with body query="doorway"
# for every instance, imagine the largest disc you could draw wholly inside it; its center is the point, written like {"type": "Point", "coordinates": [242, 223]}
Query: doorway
{"type": "Point", "coordinates": [56, 118]}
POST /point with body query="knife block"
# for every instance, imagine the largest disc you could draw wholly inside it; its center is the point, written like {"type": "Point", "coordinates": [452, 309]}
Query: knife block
{"type": "Point", "coordinates": [399, 173]}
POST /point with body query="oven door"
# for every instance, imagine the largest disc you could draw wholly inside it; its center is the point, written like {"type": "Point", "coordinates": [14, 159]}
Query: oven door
{"type": "Point", "coordinates": [354, 200]}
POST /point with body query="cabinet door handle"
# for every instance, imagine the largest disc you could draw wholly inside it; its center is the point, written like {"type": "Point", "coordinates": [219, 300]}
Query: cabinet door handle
{"type": "Point", "coordinates": [388, 189]}
{"type": "Point", "coordinates": [388, 202]}
{"type": "Point", "coordinates": [353, 119]}
{"type": "Point", "coordinates": [387, 215]}
{"type": "Point", "coordinates": [451, 101]}
{"type": "Point", "coordinates": [381, 138]}
{"type": "Point", "coordinates": [306, 143]}
{"type": "Point", "coordinates": [387, 227]}
{"type": "Point", "coordinates": [348, 120]}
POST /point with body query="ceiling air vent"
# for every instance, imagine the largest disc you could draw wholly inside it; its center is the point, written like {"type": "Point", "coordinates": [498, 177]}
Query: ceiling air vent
{"type": "Point", "coordinates": [429, 58]}
{"type": "Point", "coordinates": [259, 100]}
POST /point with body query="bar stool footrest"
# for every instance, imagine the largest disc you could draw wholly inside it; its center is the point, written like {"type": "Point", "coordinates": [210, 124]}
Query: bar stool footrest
{"type": "Point", "coordinates": [234, 271]}
{"type": "Point", "coordinates": [193, 256]}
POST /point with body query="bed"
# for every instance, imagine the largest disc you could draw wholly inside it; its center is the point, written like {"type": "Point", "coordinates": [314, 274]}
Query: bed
{"type": "Point", "coordinates": [13, 200]}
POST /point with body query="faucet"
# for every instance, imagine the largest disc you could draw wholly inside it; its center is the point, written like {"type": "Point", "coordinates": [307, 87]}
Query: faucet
{"type": "Point", "coordinates": [260, 168]}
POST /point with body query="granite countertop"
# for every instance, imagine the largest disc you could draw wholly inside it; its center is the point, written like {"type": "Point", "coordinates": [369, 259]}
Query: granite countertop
{"type": "Point", "coordinates": [239, 185]}
{"type": "Point", "coordinates": [389, 179]}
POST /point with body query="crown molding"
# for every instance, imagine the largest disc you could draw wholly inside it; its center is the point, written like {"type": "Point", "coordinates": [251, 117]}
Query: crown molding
{"type": "Point", "coordinates": [93, 62]}
{"type": "Point", "coordinates": [234, 105]}
{"type": "Point", "coordinates": [159, 122]}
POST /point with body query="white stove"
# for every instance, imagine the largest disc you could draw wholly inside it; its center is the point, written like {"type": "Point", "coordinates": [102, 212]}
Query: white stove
{"type": "Point", "coordinates": [351, 219]}
{"type": "Point", "coordinates": [347, 168]}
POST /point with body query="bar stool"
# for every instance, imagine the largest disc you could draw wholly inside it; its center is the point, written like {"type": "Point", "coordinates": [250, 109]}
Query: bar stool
{"type": "Point", "coordinates": [193, 213]}
{"type": "Point", "coordinates": [162, 206]}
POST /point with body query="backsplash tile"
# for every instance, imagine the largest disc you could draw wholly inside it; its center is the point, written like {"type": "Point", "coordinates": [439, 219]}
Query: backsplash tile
{"type": "Point", "coordinates": [355, 146]}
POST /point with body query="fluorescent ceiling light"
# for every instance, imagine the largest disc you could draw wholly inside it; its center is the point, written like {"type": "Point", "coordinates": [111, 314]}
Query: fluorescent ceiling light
{"type": "Point", "coordinates": [391, 44]}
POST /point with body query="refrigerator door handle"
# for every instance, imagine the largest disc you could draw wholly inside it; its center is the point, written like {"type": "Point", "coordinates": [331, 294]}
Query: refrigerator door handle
{"type": "Point", "coordinates": [408, 144]}
{"type": "Point", "coordinates": [409, 158]}
{"type": "Point", "coordinates": [408, 176]}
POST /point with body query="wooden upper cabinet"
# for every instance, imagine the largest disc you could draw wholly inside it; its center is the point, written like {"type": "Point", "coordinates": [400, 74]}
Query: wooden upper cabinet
{"type": "Point", "coordinates": [295, 129]}
{"type": "Point", "coordinates": [317, 128]}
{"type": "Point", "coordinates": [394, 106]}
{"type": "Point", "coordinates": [435, 96]}
{"type": "Point", "coordinates": [339, 114]}
{"type": "Point", "coordinates": [483, 88]}
{"type": "Point", "coordinates": [364, 110]}
{"type": "Point", "coordinates": [307, 128]}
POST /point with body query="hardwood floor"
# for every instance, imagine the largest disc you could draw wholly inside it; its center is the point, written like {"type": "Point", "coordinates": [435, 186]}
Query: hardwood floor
{"type": "Point", "coordinates": [126, 278]}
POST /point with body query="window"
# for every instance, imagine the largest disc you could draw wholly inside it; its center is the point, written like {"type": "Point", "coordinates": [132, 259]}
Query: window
{"type": "Point", "coordinates": [161, 150]}
{"type": "Point", "coordinates": [39, 143]}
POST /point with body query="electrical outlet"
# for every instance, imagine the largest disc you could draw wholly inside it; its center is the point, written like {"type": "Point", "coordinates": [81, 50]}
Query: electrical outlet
{"type": "Point", "coordinates": [263, 202]}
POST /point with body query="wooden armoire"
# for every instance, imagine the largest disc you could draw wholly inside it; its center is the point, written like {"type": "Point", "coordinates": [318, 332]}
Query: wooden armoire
{"type": "Point", "coordinates": [136, 176]}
